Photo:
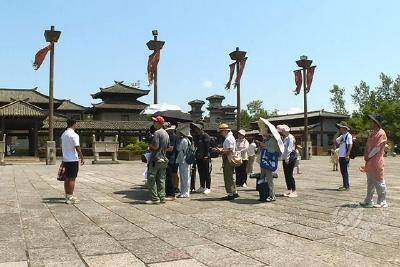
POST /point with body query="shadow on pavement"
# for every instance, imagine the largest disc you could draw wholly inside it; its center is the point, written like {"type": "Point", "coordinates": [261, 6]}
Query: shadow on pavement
{"type": "Point", "coordinates": [237, 200]}
{"type": "Point", "coordinates": [326, 189]}
{"type": "Point", "coordinates": [53, 200]}
{"type": "Point", "coordinates": [139, 193]}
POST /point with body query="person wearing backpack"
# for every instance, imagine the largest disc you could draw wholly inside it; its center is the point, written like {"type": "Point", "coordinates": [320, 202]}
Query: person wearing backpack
{"type": "Point", "coordinates": [227, 150]}
{"type": "Point", "coordinates": [345, 142]}
{"type": "Point", "coordinates": [183, 147]}
{"type": "Point", "coordinates": [202, 145]}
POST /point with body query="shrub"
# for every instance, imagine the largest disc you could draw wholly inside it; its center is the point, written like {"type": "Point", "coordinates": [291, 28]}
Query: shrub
{"type": "Point", "coordinates": [138, 146]}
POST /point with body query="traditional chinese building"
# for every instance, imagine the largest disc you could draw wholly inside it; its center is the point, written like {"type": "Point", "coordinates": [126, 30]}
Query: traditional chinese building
{"type": "Point", "coordinates": [24, 116]}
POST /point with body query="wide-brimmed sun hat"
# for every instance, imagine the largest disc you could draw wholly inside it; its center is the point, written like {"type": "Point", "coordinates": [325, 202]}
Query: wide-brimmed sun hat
{"type": "Point", "coordinates": [184, 129]}
{"type": "Point", "coordinates": [223, 127]}
{"type": "Point", "coordinates": [343, 124]}
{"type": "Point", "coordinates": [378, 119]}
{"type": "Point", "coordinates": [242, 132]}
{"type": "Point", "coordinates": [283, 128]}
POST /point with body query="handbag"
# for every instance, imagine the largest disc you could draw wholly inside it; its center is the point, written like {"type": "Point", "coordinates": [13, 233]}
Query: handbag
{"type": "Point", "coordinates": [61, 172]}
{"type": "Point", "coordinates": [235, 158]}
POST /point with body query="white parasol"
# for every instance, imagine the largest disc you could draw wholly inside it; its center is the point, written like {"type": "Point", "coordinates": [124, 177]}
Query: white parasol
{"type": "Point", "coordinates": [153, 108]}
{"type": "Point", "coordinates": [263, 123]}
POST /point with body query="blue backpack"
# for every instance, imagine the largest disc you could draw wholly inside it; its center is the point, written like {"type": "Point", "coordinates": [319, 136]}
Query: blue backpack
{"type": "Point", "coordinates": [268, 160]}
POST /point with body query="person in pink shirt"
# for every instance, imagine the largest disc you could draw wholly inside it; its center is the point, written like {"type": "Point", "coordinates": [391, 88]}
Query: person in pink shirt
{"type": "Point", "coordinates": [374, 164]}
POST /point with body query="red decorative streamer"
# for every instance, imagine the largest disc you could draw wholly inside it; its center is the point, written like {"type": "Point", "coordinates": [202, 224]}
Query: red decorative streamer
{"type": "Point", "coordinates": [40, 56]}
{"type": "Point", "coordinates": [298, 80]}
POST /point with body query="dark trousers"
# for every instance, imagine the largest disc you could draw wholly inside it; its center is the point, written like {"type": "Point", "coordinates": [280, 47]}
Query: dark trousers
{"type": "Point", "coordinates": [288, 171]}
{"type": "Point", "coordinates": [193, 177]}
{"type": "Point", "coordinates": [203, 165]}
{"type": "Point", "coordinates": [263, 189]}
{"type": "Point", "coordinates": [169, 184]}
{"type": "Point", "coordinates": [344, 164]}
{"type": "Point", "coordinates": [241, 173]}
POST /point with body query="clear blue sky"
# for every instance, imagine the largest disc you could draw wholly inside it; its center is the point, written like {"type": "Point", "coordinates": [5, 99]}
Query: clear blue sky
{"type": "Point", "coordinates": [103, 41]}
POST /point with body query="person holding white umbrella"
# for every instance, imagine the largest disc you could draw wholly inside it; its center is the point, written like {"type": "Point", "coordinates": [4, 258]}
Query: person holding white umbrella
{"type": "Point", "coordinates": [271, 148]}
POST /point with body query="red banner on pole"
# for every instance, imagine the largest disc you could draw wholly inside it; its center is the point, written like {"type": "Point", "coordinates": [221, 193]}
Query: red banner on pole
{"type": "Point", "coordinates": [310, 75]}
{"type": "Point", "coordinates": [40, 56]}
{"type": "Point", "coordinates": [298, 80]}
{"type": "Point", "coordinates": [231, 72]}
{"type": "Point", "coordinates": [242, 63]}
{"type": "Point", "coordinates": [152, 63]}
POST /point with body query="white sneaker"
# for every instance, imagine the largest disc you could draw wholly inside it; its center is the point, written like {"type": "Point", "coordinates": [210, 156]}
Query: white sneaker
{"type": "Point", "coordinates": [200, 190]}
{"type": "Point", "coordinates": [244, 185]}
{"type": "Point", "coordinates": [207, 191]}
{"type": "Point", "coordinates": [381, 205]}
{"type": "Point", "coordinates": [184, 196]}
{"type": "Point", "coordinates": [71, 200]}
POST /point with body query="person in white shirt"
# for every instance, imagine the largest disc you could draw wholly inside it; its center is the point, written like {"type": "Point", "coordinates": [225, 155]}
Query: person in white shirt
{"type": "Point", "coordinates": [71, 151]}
{"type": "Point", "coordinates": [228, 147]}
{"type": "Point", "coordinates": [289, 159]}
{"type": "Point", "coordinates": [345, 142]}
{"type": "Point", "coordinates": [241, 171]}
{"type": "Point", "coordinates": [251, 152]}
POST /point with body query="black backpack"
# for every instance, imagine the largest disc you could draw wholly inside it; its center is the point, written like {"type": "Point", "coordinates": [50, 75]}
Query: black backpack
{"type": "Point", "coordinates": [190, 158]}
{"type": "Point", "coordinates": [354, 149]}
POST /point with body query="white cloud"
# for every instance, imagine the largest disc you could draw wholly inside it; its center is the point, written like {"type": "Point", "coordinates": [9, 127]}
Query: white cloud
{"type": "Point", "coordinates": [208, 84]}
{"type": "Point", "coordinates": [291, 110]}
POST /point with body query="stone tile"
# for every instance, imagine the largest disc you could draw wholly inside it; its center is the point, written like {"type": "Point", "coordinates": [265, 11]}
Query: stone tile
{"type": "Point", "coordinates": [179, 263]}
{"type": "Point", "coordinates": [10, 232]}
{"type": "Point", "coordinates": [145, 250]}
{"type": "Point", "coordinates": [125, 231]}
{"type": "Point", "coordinates": [45, 237]}
{"type": "Point", "coordinates": [368, 249]}
{"type": "Point", "coordinates": [121, 260]}
{"type": "Point", "coordinates": [57, 256]}
{"type": "Point", "coordinates": [12, 251]}
{"type": "Point", "coordinates": [14, 264]}
{"type": "Point", "coordinates": [90, 245]}
{"type": "Point", "coordinates": [303, 231]}
{"type": "Point", "coordinates": [216, 255]}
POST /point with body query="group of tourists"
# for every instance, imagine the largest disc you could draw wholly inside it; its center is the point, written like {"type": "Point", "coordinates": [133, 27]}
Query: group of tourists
{"type": "Point", "coordinates": [173, 149]}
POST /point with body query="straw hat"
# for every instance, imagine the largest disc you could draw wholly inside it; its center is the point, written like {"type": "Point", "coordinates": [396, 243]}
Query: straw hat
{"type": "Point", "coordinates": [242, 132]}
{"type": "Point", "coordinates": [223, 127]}
{"type": "Point", "coordinates": [184, 130]}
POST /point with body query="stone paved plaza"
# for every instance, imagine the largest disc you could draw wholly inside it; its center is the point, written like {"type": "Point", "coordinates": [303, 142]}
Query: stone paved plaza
{"type": "Point", "coordinates": [112, 227]}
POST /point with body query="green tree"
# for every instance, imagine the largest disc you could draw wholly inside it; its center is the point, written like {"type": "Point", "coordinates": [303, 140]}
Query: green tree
{"type": "Point", "coordinates": [337, 99]}
{"type": "Point", "coordinates": [245, 119]}
{"type": "Point", "coordinates": [256, 110]}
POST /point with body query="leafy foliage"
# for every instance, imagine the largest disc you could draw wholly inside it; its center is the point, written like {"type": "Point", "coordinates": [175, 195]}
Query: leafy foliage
{"type": "Point", "coordinates": [383, 100]}
{"type": "Point", "coordinates": [337, 99]}
{"type": "Point", "coordinates": [253, 112]}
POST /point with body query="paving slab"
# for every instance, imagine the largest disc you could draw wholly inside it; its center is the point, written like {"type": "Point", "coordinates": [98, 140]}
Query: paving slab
{"type": "Point", "coordinates": [112, 226]}
{"type": "Point", "coordinates": [120, 260]}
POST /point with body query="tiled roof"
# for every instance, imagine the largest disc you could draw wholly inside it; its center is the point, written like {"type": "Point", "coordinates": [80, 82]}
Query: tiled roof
{"type": "Point", "coordinates": [138, 105]}
{"type": "Point", "coordinates": [120, 88]}
{"type": "Point", "coordinates": [104, 125]}
{"type": "Point", "coordinates": [21, 108]}
{"type": "Point", "coordinates": [69, 105]}
{"type": "Point", "coordinates": [27, 95]}
{"type": "Point", "coordinates": [318, 113]}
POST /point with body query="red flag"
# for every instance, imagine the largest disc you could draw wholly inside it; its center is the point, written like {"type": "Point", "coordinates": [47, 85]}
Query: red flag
{"type": "Point", "coordinates": [310, 75]}
{"type": "Point", "coordinates": [231, 71]}
{"type": "Point", "coordinates": [242, 63]}
{"type": "Point", "coordinates": [40, 56]}
{"type": "Point", "coordinates": [154, 58]}
{"type": "Point", "coordinates": [298, 80]}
